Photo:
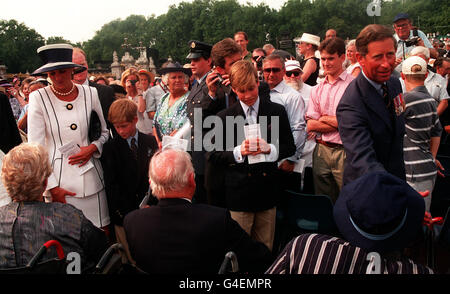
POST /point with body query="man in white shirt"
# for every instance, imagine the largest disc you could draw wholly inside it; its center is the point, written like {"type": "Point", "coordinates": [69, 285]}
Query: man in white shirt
{"type": "Point", "coordinates": [293, 78]}
{"type": "Point", "coordinates": [436, 84]}
{"type": "Point", "coordinates": [404, 33]}
{"type": "Point", "coordinates": [274, 72]}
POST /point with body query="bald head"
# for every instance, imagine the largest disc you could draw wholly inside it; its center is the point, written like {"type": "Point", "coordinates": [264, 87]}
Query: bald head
{"type": "Point", "coordinates": [171, 174]}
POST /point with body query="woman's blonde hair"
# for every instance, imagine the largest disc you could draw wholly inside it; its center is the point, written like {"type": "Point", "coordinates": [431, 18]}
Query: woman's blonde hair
{"type": "Point", "coordinates": [125, 74]}
{"type": "Point", "coordinates": [25, 171]}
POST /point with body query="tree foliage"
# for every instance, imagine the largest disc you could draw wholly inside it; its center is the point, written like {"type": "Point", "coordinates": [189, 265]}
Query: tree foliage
{"type": "Point", "coordinates": [18, 45]}
{"type": "Point", "coordinates": [213, 20]}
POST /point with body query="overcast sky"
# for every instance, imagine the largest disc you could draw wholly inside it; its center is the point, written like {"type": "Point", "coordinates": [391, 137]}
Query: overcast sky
{"type": "Point", "coordinates": [78, 20]}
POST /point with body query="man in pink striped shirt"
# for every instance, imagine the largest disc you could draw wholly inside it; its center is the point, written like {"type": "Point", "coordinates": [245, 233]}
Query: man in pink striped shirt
{"type": "Point", "coordinates": [329, 155]}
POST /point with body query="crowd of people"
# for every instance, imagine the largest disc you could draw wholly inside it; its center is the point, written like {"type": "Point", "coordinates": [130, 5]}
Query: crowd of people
{"type": "Point", "coordinates": [86, 161]}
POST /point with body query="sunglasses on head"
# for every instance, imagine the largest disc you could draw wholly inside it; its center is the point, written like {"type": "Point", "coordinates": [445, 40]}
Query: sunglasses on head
{"type": "Point", "coordinates": [273, 69]}
{"type": "Point", "coordinates": [290, 73]}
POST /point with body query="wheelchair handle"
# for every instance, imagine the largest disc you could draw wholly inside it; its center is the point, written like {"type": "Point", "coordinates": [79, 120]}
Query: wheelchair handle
{"type": "Point", "coordinates": [43, 250]}
{"type": "Point", "coordinates": [107, 255]}
{"type": "Point", "coordinates": [230, 256]}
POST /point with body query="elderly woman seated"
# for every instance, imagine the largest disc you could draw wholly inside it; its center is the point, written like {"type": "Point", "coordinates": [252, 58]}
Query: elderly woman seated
{"type": "Point", "coordinates": [27, 222]}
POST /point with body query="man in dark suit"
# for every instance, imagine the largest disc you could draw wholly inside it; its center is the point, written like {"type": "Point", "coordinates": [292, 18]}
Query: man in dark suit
{"type": "Point", "coordinates": [250, 170]}
{"type": "Point", "coordinates": [199, 106]}
{"type": "Point", "coordinates": [105, 93]}
{"type": "Point", "coordinates": [125, 160]}
{"type": "Point", "coordinates": [224, 54]}
{"type": "Point", "coordinates": [179, 237]}
{"type": "Point", "coordinates": [369, 114]}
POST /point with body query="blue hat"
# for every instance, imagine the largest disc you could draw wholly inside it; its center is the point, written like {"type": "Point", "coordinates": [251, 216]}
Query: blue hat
{"type": "Point", "coordinates": [174, 67]}
{"type": "Point", "coordinates": [379, 212]}
{"type": "Point", "coordinates": [400, 16]}
{"type": "Point", "coordinates": [55, 56]}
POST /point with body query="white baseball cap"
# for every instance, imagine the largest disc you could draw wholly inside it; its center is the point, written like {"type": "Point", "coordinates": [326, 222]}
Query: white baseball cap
{"type": "Point", "coordinates": [292, 65]}
{"type": "Point", "coordinates": [410, 62]}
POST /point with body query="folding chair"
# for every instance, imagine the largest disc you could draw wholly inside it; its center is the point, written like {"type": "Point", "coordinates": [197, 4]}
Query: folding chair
{"type": "Point", "coordinates": [230, 260]}
{"type": "Point", "coordinates": [52, 266]}
{"type": "Point", "coordinates": [300, 213]}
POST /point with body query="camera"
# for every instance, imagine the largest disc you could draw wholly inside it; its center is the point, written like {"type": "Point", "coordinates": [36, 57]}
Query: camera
{"type": "Point", "coordinates": [412, 41]}
{"type": "Point", "coordinates": [220, 79]}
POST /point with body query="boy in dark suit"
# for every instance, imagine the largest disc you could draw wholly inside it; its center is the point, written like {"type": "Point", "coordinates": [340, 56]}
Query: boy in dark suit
{"type": "Point", "coordinates": [252, 189]}
{"type": "Point", "coordinates": [125, 162]}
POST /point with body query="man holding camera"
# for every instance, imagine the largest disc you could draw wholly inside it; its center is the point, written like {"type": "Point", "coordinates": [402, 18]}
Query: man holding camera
{"type": "Point", "coordinates": [407, 38]}
{"type": "Point", "coordinates": [258, 56]}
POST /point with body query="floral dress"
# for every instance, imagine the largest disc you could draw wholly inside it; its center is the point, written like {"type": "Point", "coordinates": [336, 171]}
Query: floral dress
{"type": "Point", "coordinates": [167, 119]}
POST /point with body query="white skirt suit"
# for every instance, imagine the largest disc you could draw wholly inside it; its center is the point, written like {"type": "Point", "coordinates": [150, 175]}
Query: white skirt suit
{"type": "Point", "coordinates": [54, 123]}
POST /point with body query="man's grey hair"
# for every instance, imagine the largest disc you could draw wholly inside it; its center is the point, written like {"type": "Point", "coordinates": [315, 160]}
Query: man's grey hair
{"type": "Point", "coordinates": [169, 171]}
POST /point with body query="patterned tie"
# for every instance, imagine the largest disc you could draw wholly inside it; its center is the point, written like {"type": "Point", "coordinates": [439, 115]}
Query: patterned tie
{"type": "Point", "coordinates": [134, 147]}
{"type": "Point", "coordinates": [387, 101]}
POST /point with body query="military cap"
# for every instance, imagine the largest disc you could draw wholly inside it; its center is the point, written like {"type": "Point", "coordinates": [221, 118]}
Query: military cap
{"type": "Point", "coordinates": [199, 49]}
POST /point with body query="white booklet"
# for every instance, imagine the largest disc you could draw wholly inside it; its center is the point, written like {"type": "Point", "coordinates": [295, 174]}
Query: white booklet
{"type": "Point", "coordinates": [72, 148]}
{"type": "Point", "coordinates": [174, 143]}
{"type": "Point", "coordinates": [252, 132]}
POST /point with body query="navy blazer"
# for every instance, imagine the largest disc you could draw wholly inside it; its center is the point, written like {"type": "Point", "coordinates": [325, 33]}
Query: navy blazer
{"type": "Point", "coordinates": [126, 179]}
{"type": "Point", "coordinates": [179, 237]}
{"type": "Point", "coordinates": [372, 141]}
{"type": "Point", "coordinates": [252, 187]}
{"type": "Point", "coordinates": [199, 99]}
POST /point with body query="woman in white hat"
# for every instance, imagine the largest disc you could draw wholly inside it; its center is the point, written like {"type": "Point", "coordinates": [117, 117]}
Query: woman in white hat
{"type": "Point", "coordinates": [310, 64]}
{"type": "Point", "coordinates": [59, 117]}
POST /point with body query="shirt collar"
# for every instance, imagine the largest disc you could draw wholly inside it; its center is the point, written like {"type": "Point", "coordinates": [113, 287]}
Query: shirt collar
{"type": "Point", "coordinates": [199, 81]}
{"type": "Point", "coordinates": [280, 87]}
{"type": "Point", "coordinates": [342, 77]}
{"type": "Point", "coordinates": [86, 82]}
{"type": "Point", "coordinates": [135, 136]}
{"type": "Point", "coordinates": [376, 85]}
{"type": "Point", "coordinates": [255, 106]}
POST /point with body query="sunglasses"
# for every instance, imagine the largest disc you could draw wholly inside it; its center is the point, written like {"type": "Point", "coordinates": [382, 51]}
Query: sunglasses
{"type": "Point", "coordinates": [290, 73]}
{"type": "Point", "coordinates": [273, 69]}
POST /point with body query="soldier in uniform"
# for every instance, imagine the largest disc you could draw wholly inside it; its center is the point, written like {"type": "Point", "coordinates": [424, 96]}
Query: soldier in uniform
{"type": "Point", "coordinates": [199, 103]}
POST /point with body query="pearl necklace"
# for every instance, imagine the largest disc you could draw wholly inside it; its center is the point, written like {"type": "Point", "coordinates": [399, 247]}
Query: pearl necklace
{"type": "Point", "coordinates": [63, 94]}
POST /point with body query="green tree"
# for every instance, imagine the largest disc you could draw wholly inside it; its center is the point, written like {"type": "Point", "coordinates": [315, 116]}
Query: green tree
{"type": "Point", "coordinates": [18, 45]}
{"type": "Point", "coordinates": [57, 40]}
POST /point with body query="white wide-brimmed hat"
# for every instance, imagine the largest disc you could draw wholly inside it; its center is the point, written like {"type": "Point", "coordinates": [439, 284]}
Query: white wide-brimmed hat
{"type": "Point", "coordinates": [55, 56]}
{"type": "Point", "coordinates": [308, 38]}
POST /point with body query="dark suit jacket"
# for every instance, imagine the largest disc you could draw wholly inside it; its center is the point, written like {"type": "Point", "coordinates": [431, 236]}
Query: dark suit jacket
{"type": "Point", "coordinates": [8, 126]}
{"type": "Point", "coordinates": [106, 96]}
{"type": "Point", "coordinates": [252, 187]}
{"type": "Point", "coordinates": [200, 100]}
{"type": "Point", "coordinates": [176, 236]}
{"type": "Point", "coordinates": [372, 142]}
{"type": "Point", "coordinates": [126, 179]}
